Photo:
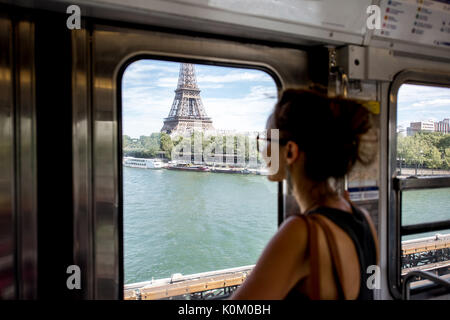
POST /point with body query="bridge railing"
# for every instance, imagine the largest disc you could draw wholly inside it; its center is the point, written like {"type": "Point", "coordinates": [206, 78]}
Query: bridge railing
{"type": "Point", "coordinates": [214, 284]}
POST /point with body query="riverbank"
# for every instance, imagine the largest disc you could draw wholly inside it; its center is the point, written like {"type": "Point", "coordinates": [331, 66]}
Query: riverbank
{"type": "Point", "coordinates": [422, 172]}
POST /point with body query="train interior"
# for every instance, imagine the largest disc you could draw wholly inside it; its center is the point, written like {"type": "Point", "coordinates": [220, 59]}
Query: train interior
{"type": "Point", "coordinates": [73, 73]}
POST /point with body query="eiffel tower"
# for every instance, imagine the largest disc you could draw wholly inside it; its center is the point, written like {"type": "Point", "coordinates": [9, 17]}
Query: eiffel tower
{"type": "Point", "coordinates": [187, 108]}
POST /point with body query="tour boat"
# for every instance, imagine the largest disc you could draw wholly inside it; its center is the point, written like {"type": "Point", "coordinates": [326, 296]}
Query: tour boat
{"type": "Point", "coordinates": [143, 163]}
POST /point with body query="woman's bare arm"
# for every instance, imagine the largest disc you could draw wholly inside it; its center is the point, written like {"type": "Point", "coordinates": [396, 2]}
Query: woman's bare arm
{"type": "Point", "coordinates": [280, 266]}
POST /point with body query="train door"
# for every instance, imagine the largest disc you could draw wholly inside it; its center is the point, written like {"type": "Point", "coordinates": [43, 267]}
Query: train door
{"type": "Point", "coordinates": [419, 223]}
{"type": "Point", "coordinates": [101, 55]}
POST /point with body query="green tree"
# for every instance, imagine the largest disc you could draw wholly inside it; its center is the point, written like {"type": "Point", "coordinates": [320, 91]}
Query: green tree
{"type": "Point", "coordinates": [166, 144]}
{"type": "Point", "coordinates": [433, 158]}
{"type": "Point", "coordinates": [126, 141]}
{"type": "Point", "coordinates": [150, 142]}
{"type": "Point", "coordinates": [446, 159]}
{"type": "Point", "coordinates": [444, 143]}
{"type": "Point", "coordinates": [412, 150]}
{"type": "Point", "coordinates": [402, 150]}
{"type": "Point", "coordinates": [421, 149]}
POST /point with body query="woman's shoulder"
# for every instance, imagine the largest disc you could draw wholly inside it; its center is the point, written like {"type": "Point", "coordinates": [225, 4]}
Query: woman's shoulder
{"type": "Point", "coordinates": [294, 228]}
{"type": "Point", "coordinates": [294, 221]}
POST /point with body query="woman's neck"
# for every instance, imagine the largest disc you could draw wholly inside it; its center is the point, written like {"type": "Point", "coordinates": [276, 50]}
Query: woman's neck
{"type": "Point", "coordinates": [310, 195]}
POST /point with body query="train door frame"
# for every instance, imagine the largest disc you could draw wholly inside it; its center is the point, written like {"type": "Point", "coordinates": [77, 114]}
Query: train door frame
{"type": "Point", "coordinates": [383, 65]}
{"type": "Point", "coordinates": [423, 77]}
{"type": "Point", "coordinates": [18, 155]}
{"type": "Point", "coordinates": [100, 55]}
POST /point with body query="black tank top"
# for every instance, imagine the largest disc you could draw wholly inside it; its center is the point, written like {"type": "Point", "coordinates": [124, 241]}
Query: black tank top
{"type": "Point", "coordinates": [358, 229]}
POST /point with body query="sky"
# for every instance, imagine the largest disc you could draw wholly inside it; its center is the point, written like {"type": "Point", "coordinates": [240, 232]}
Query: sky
{"type": "Point", "coordinates": [239, 99]}
{"type": "Point", "coordinates": [422, 103]}
{"type": "Point", "coordinates": [235, 99]}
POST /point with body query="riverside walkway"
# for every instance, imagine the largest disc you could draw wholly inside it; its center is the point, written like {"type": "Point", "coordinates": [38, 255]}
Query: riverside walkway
{"type": "Point", "coordinates": [427, 254]}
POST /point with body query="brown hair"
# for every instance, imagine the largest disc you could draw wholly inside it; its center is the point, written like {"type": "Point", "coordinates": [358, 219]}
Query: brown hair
{"type": "Point", "coordinates": [327, 129]}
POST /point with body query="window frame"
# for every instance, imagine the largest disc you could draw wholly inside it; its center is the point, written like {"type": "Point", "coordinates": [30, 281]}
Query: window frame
{"type": "Point", "coordinates": [166, 58]}
{"type": "Point", "coordinates": [395, 185]}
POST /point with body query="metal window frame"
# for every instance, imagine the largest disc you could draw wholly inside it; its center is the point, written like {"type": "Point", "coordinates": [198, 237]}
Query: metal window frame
{"type": "Point", "coordinates": [104, 50]}
{"type": "Point", "coordinates": [18, 173]}
{"type": "Point", "coordinates": [401, 185]}
{"type": "Point", "coordinates": [8, 239]}
{"type": "Point", "coordinates": [395, 186]}
{"type": "Point", "coordinates": [204, 61]}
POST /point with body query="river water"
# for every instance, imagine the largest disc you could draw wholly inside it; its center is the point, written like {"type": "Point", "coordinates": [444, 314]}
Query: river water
{"type": "Point", "coordinates": [191, 222]}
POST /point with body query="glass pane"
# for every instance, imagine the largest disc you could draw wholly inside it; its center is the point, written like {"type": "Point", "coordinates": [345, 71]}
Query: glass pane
{"type": "Point", "coordinates": [423, 132]}
{"type": "Point", "coordinates": [427, 205]}
{"type": "Point", "coordinates": [184, 216]}
{"type": "Point", "coordinates": [423, 149]}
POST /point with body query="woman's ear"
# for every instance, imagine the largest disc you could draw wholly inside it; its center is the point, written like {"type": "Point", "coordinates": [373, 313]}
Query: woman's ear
{"type": "Point", "coordinates": [291, 152]}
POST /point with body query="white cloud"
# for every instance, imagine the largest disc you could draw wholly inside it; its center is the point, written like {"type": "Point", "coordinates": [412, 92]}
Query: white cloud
{"type": "Point", "coordinates": [143, 115]}
{"type": "Point", "coordinates": [421, 103]}
{"type": "Point", "coordinates": [242, 105]}
{"type": "Point", "coordinates": [233, 77]}
{"type": "Point", "coordinates": [243, 114]}
{"type": "Point", "coordinates": [167, 82]}
{"type": "Point", "coordinates": [139, 71]}
{"type": "Point", "coordinates": [215, 81]}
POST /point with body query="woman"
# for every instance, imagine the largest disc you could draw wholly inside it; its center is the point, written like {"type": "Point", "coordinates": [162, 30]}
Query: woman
{"type": "Point", "coordinates": [324, 252]}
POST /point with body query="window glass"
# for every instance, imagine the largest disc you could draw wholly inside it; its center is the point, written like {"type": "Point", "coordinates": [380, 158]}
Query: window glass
{"type": "Point", "coordinates": [203, 203]}
{"type": "Point", "coordinates": [427, 205]}
{"type": "Point", "coordinates": [423, 131]}
{"type": "Point", "coordinates": [423, 150]}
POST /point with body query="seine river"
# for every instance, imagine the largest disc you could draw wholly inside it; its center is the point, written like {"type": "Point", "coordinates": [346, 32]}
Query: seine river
{"type": "Point", "coordinates": [191, 222]}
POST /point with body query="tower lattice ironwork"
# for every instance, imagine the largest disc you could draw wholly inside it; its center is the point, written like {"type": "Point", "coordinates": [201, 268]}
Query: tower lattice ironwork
{"type": "Point", "coordinates": [187, 110]}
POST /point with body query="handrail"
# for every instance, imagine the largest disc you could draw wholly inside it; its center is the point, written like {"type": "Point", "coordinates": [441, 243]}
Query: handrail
{"type": "Point", "coordinates": [424, 274]}
{"type": "Point", "coordinates": [425, 227]}
{"type": "Point", "coordinates": [402, 184]}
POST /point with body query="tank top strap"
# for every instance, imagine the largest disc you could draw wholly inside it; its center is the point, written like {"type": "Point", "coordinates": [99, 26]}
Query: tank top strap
{"type": "Point", "coordinates": [358, 229]}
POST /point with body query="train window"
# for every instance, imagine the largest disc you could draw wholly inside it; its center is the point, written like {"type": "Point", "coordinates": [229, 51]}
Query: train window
{"type": "Point", "coordinates": [197, 206]}
{"type": "Point", "coordinates": [423, 130]}
{"type": "Point", "coordinates": [423, 171]}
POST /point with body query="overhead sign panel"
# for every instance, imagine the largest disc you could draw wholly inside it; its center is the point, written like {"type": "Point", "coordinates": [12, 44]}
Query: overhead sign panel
{"type": "Point", "coordinates": [416, 21]}
{"type": "Point", "coordinates": [343, 15]}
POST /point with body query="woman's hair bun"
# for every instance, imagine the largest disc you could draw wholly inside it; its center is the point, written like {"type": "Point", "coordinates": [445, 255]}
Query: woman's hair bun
{"type": "Point", "coordinates": [327, 129]}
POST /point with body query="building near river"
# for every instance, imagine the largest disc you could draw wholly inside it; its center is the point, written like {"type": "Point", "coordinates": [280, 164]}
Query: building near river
{"type": "Point", "coordinates": [442, 126]}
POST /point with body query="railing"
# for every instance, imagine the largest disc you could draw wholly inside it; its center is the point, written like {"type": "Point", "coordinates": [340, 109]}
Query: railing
{"type": "Point", "coordinates": [436, 242]}
{"type": "Point", "coordinates": [407, 279]}
{"type": "Point", "coordinates": [207, 285]}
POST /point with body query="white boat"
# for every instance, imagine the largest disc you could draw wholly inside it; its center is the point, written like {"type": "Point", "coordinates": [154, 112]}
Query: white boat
{"type": "Point", "coordinates": [143, 163]}
{"type": "Point", "coordinates": [263, 171]}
